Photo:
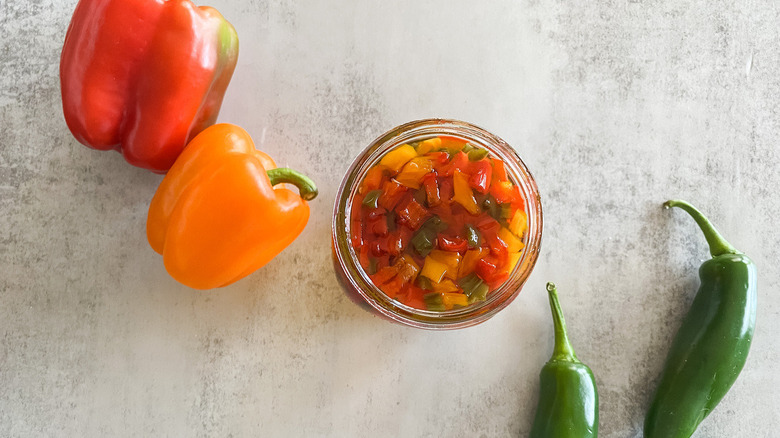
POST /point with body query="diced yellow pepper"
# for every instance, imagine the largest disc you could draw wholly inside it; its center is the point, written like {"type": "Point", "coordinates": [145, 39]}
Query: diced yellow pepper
{"type": "Point", "coordinates": [450, 259]}
{"type": "Point", "coordinates": [453, 143]}
{"type": "Point", "coordinates": [445, 286]}
{"type": "Point", "coordinates": [433, 269]}
{"type": "Point", "coordinates": [451, 300]}
{"type": "Point", "coordinates": [412, 173]}
{"type": "Point", "coordinates": [470, 260]}
{"type": "Point", "coordinates": [514, 257]}
{"type": "Point", "coordinates": [395, 159]}
{"type": "Point", "coordinates": [513, 244]}
{"type": "Point", "coordinates": [428, 145]}
{"type": "Point", "coordinates": [519, 223]}
{"type": "Point", "coordinates": [462, 192]}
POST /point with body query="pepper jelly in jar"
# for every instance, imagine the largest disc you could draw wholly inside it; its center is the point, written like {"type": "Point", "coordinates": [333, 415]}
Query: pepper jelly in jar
{"type": "Point", "coordinates": [437, 225]}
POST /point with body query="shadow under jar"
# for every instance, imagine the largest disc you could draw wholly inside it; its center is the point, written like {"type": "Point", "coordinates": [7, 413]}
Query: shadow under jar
{"type": "Point", "coordinates": [395, 278]}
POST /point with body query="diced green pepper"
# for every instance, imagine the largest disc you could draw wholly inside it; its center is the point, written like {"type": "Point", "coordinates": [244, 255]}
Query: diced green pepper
{"type": "Point", "coordinates": [391, 222]}
{"type": "Point", "coordinates": [472, 236]}
{"type": "Point", "coordinates": [480, 293]}
{"type": "Point", "coordinates": [491, 206]}
{"type": "Point", "coordinates": [506, 211]}
{"type": "Point", "coordinates": [420, 196]}
{"type": "Point", "coordinates": [372, 265]}
{"type": "Point", "coordinates": [424, 283]}
{"type": "Point", "coordinates": [477, 154]}
{"type": "Point", "coordinates": [470, 284]}
{"type": "Point", "coordinates": [424, 241]}
{"type": "Point", "coordinates": [372, 198]}
{"type": "Point", "coordinates": [434, 301]}
{"type": "Point", "coordinates": [467, 148]}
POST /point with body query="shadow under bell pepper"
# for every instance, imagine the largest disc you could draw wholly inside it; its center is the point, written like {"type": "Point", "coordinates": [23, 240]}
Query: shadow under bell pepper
{"type": "Point", "coordinates": [217, 217]}
{"type": "Point", "coordinates": [143, 77]}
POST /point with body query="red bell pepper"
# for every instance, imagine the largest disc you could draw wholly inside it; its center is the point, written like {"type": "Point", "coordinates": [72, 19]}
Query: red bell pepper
{"type": "Point", "coordinates": [144, 77]}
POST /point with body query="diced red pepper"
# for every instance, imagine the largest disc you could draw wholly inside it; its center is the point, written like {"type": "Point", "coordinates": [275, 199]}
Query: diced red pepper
{"type": "Point", "coordinates": [392, 193]}
{"type": "Point", "coordinates": [405, 237]}
{"type": "Point", "coordinates": [413, 296]}
{"type": "Point", "coordinates": [452, 243]}
{"type": "Point", "coordinates": [431, 186]}
{"type": "Point", "coordinates": [487, 225]}
{"type": "Point", "coordinates": [384, 275]}
{"type": "Point", "coordinates": [499, 170]}
{"type": "Point", "coordinates": [445, 188]}
{"type": "Point", "coordinates": [394, 244]}
{"type": "Point", "coordinates": [481, 172]}
{"type": "Point", "coordinates": [378, 247]}
{"type": "Point", "coordinates": [487, 270]}
{"type": "Point", "coordinates": [411, 213]}
{"type": "Point", "coordinates": [460, 162]}
{"type": "Point", "coordinates": [505, 192]}
{"type": "Point", "coordinates": [439, 158]}
{"type": "Point", "coordinates": [498, 248]}
{"type": "Point", "coordinates": [375, 213]}
{"type": "Point", "coordinates": [497, 280]}
{"type": "Point", "coordinates": [393, 287]}
{"type": "Point", "coordinates": [378, 227]}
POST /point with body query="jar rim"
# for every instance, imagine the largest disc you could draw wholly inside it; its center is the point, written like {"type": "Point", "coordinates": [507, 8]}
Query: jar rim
{"type": "Point", "coordinates": [356, 277]}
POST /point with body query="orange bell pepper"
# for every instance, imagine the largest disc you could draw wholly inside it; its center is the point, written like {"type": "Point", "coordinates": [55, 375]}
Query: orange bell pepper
{"type": "Point", "coordinates": [217, 217]}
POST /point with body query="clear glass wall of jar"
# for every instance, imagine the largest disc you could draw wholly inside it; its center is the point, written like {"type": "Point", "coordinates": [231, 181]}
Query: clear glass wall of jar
{"type": "Point", "coordinates": [356, 282]}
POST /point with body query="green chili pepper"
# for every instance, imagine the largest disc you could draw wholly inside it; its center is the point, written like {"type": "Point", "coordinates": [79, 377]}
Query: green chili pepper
{"type": "Point", "coordinates": [712, 343]}
{"type": "Point", "coordinates": [568, 399]}
{"type": "Point", "coordinates": [468, 147]}
{"type": "Point", "coordinates": [372, 198]}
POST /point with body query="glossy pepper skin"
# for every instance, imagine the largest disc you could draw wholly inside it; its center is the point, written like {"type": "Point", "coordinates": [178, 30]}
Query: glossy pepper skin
{"type": "Point", "coordinates": [217, 217]}
{"type": "Point", "coordinates": [568, 401]}
{"type": "Point", "coordinates": [143, 77]}
{"type": "Point", "coordinates": [712, 344]}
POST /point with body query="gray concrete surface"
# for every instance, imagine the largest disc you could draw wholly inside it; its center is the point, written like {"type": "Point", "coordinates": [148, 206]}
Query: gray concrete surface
{"type": "Point", "coordinates": [616, 106]}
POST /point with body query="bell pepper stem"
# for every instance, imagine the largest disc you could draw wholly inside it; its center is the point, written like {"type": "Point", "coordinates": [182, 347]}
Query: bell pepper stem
{"type": "Point", "coordinates": [562, 350]}
{"type": "Point", "coordinates": [305, 185]}
{"type": "Point", "coordinates": [718, 245]}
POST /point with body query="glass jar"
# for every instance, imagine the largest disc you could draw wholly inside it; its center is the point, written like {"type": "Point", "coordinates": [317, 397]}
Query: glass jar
{"type": "Point", "coordinates": [356, 282]}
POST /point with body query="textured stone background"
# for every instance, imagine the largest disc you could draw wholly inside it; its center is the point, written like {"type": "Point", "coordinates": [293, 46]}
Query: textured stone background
{"type": "Point", "coordinates": [615, 106]}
